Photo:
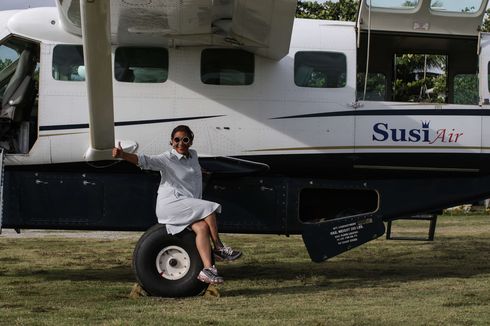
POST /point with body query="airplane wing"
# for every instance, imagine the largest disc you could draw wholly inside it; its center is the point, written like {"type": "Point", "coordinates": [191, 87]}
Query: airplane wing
{"type": "Point", "coordinates": [262, 27]}
{"type": "Point", "coordinates": [448, 17]}
{"type": "Point", "coordinates": [258, 26]}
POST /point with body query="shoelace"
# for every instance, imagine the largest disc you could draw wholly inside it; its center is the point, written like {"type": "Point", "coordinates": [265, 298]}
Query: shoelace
{"type": "Point", "coordinates": [214, 276]}
{"type": "Point", "coordinates": [214, 270]}
{"type": "Point", "coordinates": [227, 250]}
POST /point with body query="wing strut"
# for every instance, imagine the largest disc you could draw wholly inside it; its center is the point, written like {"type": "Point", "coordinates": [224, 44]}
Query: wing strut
{"type": "Point", "coordinates": [95, 18]}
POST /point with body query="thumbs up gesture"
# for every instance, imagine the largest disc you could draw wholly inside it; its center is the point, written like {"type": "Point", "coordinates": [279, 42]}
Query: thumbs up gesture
{"type": "Point", "coordinates": [117, 152]}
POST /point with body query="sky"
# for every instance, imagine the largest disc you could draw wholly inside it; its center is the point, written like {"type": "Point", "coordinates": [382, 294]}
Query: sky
{"type": "Point", "coordinates": [21, 4]}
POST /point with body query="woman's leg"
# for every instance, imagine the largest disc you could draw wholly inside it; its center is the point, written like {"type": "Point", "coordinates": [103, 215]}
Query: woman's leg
{"type": "Point", "coordinates": [213, 230]}
{"type": "Point", "coordinates": [201, 229]}
{"type": "Point", "coordinates": [220, 251]}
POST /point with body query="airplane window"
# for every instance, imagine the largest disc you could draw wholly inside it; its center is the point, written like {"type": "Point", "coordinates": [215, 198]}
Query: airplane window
{"type": "Point", "coordinates": [466, 89]}
{"type": "Point", "coordinates": [320, 69]}
{"type": "Point", "coordinates": [456, 6]}
{"type": "Point", "coordinates": [67, 60]}
{"type": "Point", "coordinates": [376, 86]}
{"type": "Point", "coordinates": [420, 78]}
{"type": "Point", "coordinates": [390, 4]}
{"type": "Point", "coordinates": [141, 65]}
{"type": "Point", "coordinates": [227, 67]}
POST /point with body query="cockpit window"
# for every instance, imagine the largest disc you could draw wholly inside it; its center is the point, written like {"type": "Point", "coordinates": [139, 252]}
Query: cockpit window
{"type": "Point", "coordinates": [456, 6]}
{"type": "Point", "coordinates": [68, 63]}
{"type": "Point", "coordinates": [391, 4]}
{"type": "Point", "coordinates": [8, 63]}
{"type": "Point", "coordinates": [7, 56]}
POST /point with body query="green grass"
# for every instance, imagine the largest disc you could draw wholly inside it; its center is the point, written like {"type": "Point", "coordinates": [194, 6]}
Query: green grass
{"type": "Point", "coordinates": [59, 280]}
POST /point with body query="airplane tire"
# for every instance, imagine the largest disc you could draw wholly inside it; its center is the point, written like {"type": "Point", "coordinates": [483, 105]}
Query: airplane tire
{"type": "Point", "coordinates": [167, 265]}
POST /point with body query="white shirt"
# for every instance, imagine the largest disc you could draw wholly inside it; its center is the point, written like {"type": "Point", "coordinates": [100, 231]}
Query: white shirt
{"type": "Point", "coordinates": [181, 176]}
{"type": "Point", "coordinates": [179, 202]}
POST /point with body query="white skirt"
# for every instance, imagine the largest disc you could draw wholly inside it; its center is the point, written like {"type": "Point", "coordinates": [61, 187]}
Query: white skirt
{"type": "Point", "coordinates": [179, 213]}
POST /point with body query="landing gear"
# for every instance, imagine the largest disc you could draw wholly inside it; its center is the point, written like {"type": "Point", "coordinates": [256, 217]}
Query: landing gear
{"type": "Point", "coordinates": [167, 265]}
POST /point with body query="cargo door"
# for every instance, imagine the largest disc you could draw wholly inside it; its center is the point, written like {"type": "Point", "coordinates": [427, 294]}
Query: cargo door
{"type": "Point", "coordinates": [484, 63]}
{"type": "Point", "coordinates": [446, 17]}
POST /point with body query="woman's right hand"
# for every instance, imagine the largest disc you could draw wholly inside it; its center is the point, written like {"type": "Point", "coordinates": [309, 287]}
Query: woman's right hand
{"type": "Point", "coordinates": [117, 152]}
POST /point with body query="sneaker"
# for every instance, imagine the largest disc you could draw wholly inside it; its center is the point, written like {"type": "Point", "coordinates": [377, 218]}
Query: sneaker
{"type": "Point", "coordinates": [226, 253]}
{"type": "Point", "coordinates": [210, 275]}
{"type": "Point", "coordinates": [214, 269]}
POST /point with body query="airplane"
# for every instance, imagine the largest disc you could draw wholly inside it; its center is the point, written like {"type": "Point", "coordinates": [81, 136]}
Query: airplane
{"type": "Point", "coordinates": [291, 143]}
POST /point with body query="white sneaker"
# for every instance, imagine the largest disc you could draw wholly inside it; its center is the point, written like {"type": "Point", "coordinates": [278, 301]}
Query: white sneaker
{"type": "Point", "coordinates": [226, 253]}
{"type": "Point", "coordinates": [210, 275]}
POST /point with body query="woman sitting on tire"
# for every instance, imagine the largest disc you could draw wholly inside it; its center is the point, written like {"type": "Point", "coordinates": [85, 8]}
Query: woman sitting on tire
{"type": "Point", "coordinates": [179, 203]}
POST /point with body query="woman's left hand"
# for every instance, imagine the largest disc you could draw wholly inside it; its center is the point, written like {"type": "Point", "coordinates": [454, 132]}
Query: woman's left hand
{"type": "Point", "coordinates": [117, 152]}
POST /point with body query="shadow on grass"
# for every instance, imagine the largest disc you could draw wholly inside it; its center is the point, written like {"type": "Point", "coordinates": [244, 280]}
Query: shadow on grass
{"type": "Point", "coordinates": [445, 259]}
{"type": "Point", "coordinates": [386, 264]}
{"type": "Point", "coordinates": [9, 260]}
{"type": "Point", "coordinates": [112, 274]}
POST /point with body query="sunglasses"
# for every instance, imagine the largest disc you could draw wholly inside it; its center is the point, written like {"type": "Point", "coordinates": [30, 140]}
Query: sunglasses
{"type": "Point", "coordinates": [185, 140]}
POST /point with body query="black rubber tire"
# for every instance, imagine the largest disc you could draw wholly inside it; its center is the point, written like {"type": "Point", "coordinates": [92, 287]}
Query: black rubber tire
{"type": "Point", "coordinates": [145, 269]}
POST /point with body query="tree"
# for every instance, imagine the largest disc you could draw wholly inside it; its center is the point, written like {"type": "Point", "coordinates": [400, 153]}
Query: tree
{"type": "Point", "coordinates": [410, 3]}
{"type": "Point", "coordinates": [437, 4]}
{"type": "Point", "coordinates": [5, 63]}
{"type": "Point", "coordinates": [466, 89]}
{"type": "Point", "coordinates": [486, 22]}
{"type": "Point", "coordinates": [345, 10]}
{"type": "Point", "coordinates": [416, 74]}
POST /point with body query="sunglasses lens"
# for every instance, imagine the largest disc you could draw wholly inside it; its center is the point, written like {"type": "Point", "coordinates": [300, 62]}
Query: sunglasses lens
{"type": "Point", "coordinates": [185, 140]}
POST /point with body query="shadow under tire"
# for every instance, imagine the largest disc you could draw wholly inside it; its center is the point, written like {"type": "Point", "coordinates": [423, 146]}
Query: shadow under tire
{"type": "Point", "coordinates": [167, 265]}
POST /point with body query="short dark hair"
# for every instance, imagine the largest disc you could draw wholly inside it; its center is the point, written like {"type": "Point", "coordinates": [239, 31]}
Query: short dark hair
{"type": "Point", "coordinates": [183, 128]}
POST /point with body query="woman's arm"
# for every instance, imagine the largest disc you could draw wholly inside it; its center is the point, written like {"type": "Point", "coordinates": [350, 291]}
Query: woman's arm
{"type": "Point", "coordinates": [146, 162]}
{"type": "Point", "coordinates": [118, 152]}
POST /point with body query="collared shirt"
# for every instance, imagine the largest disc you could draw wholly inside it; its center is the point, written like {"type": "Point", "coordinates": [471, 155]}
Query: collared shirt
{"type": "Point", "coordinates": [180, 175]}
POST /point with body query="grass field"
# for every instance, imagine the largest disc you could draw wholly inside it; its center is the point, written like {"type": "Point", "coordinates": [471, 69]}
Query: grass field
{"type": "Point", "coordinates": [72, 279]}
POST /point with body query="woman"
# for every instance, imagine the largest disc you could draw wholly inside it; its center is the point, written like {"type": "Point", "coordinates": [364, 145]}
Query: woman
{"type": "Point", "coordinates": [179, 203]}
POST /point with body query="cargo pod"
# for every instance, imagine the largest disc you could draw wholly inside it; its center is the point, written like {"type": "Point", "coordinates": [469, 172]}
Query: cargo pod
{"type": "Point", "coordinates": [335, 220]}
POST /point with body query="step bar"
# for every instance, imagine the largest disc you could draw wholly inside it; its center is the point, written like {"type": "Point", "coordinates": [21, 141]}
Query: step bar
{"type": "Point", "coordinates": [419, 217]}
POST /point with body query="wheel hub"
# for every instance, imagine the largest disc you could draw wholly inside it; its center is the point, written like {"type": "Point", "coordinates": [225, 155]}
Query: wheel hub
{"type": "Point", "coordinates": [173, 262]}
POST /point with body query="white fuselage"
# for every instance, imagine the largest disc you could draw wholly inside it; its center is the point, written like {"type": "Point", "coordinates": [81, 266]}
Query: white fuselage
{"type": "Point", "coordinates": [236, 120]}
